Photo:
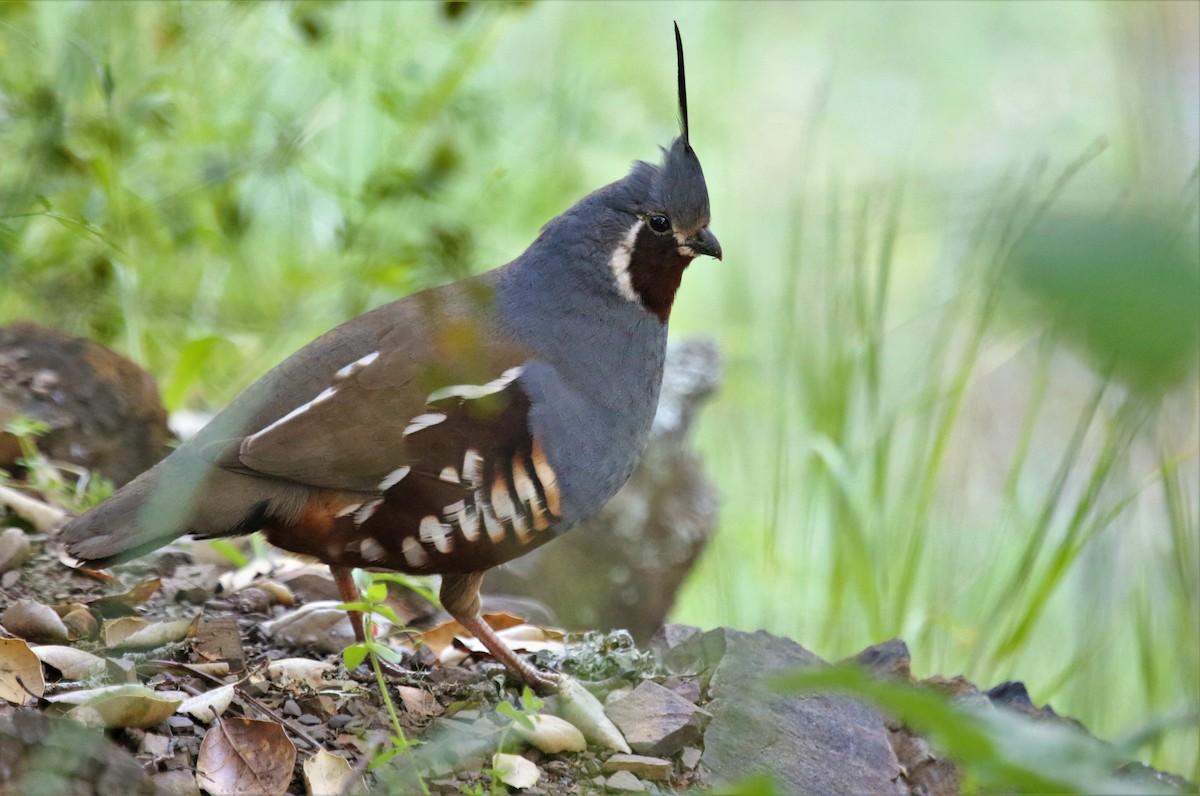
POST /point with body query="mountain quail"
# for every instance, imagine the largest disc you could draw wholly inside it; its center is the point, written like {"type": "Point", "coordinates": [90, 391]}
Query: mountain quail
{"type": "Point", "coordinates": [455, 429]}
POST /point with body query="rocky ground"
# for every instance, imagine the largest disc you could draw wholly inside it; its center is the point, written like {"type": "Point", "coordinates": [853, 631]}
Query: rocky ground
{"type": "Point", "coordinates": [185, 674]}
{"type": "Point", "coordinates": [192, 671]}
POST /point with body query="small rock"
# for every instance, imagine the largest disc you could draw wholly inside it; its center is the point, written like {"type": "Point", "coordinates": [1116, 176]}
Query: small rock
{"type": "Point", "coordinates": [251, 600]}
{"type": "Point", "coordinates": [624, 782]}
{"type": "Point", "coordinates": [656, 721]}
{"type": "Point", "coordinates": [321, 625]}
{"type": "Point", "coordinates": [686, 687]}
{"type": "Point", "coordinates": [310, 585]}
{"type": "Point", "coordinates": [339, 720]}
{"type": "Point", "coordinates": [14, 549]}
{"type": "Point", "coordinates": [309, 720]}
{"type": "Point", "coordinates": [690, 756]}
{"type": "Point", "coordinates": [810, 743]}
{"type": "Point", "coordinates": [655, 768]}
{"type": "Point", "coordinates": [889, 659]}
{"type": "Point", "coordinates": [617, 694]}
{"type": "Point", "coordinates": [175, 783]}
{"type": "Point", "coordinates": [180, 723]}
{"type": "Point", "coordinates": [291, 708]}
{"type": "Point", "coordinates": [155, 745]}
{"type": "Point", "coordinates": [10, 578]}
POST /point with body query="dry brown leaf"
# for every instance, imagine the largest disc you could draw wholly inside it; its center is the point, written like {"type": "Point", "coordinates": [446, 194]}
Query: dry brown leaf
{"type": "Point", "coordinates": [19, 666]}
{"type": "Point", "coordinates": [279, 593]}
{"type": "Point", "coordinates": [321, 624]}
{"type": "Point", "coordinates": [121, 706]}
{"type": "Point", "coordinates": [579, 707]}
{"type": "Point", "coordinates": [41, 516]}
{"type": "Point", "coordinates": [80, 622]}
{"type": "Point", "coordinates": [521, 638]}
{"type": "Point", "coordinates": [327, 774]}
{"type": "Point", "coordinates": [127, 633]}
{"type": "Point", "coordinates": [123, 603]}
{"type": "Point", "coordinates": [418, 701]}
{"type": "Point", "coordinates": [440, 637]}
{"type": "Point", "coordinates": [515, 771]}
{"type": "Point", "coordinates": [248, 757]}
{"type": "Point", "coordinates": [552, 735]}
{"type": "Point", "coordinates": [207, 706]}
{"type": "Point", "coordinates": [118, 630]}
{"type": "Point", "coordinates": [31, 620]}
{"type": "Point", "coordinates": [72, 663]}
{"type": "Point", "coordinates": [300, 670]}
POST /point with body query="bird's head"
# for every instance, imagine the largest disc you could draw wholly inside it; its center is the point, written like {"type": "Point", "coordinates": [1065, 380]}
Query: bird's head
{"type": "Point", "coordinates": [667, 215]}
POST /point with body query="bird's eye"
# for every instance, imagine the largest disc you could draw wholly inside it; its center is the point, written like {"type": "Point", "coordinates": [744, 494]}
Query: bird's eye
{"type": "Point", "coordinates": [659, 223]}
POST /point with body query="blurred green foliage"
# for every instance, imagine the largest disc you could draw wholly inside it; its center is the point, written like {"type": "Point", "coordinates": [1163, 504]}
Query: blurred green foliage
{"type": "Point", "coordinates": [919, 263]}
{"type": "Point", "coordinates": [1124, 287]}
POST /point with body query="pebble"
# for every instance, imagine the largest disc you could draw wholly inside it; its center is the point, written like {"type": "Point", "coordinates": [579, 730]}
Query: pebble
{"type": "Point", "coordinates": [180, 722]}
{"type": "Point", "coordinates": [690, 757]}
{"type": "Point", "coordinates": [309, 720]}
{"type": "Point", "coordinates": [338, 721]}
{"type": "Point", "coordinates": [290, 708]}
{"type": "Point", "coordinates": [624, 782]}
{"type": "Point", "coordinates": [645, 767]}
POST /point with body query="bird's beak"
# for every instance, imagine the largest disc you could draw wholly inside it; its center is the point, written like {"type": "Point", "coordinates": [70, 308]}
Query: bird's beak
{"type": "Point", "coordinates": [704, 242]}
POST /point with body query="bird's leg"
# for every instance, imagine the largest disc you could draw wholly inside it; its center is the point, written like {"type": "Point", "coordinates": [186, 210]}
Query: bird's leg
{"type": "Point", "coordinates": [460, 597]}
{"type": "Point", "coordinates": [344, 579]}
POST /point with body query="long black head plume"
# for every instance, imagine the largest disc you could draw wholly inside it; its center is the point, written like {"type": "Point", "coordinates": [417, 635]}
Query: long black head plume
{"type": "Point", "coordinates": [683, 120]}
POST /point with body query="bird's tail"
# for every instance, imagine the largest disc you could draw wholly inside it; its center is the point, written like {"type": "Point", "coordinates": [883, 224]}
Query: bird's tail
{"type": "Point", "coordinates": [180, 495]}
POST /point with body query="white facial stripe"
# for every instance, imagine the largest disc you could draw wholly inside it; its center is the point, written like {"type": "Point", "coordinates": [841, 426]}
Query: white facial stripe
{"type": "Point", "coordinates": [472, 391]}
{"type": "Point", "coordinates": [325, 395]}
{"type": "Point", "coordinates": [620, 262]}
{"type": "Point", "coordinates": [394, 477]}
{"type": "Point", "coordinates": [423, 421]}
{"type": "Point", "coordinates": [357, 365]}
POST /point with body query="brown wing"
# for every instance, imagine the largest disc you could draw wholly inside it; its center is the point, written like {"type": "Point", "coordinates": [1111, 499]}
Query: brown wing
{"type": "Point", "coordinates": [475, 491]}
{"type": "Point", "coordinates": [348, 428]}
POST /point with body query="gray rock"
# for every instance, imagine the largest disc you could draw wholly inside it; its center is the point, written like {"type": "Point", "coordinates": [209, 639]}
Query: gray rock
{"type": "Point", "coordinates": [690, 756]}
{"type": "Point", "coordinates": [14, 549]}
{"type": "Point", "coordinates": [624, 782]}
{"type": "Point", "coordinates": [656, 721]}
{"type": "Point", "coordinates": [103, 411]}
{"type": "Point", "coordinates": [811, 744]}
{"type": "Point", "coordinates": [655, 768]}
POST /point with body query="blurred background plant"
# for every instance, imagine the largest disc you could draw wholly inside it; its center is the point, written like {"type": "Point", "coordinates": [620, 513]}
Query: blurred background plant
{"type": "Point", "coordinates": [960, 301]}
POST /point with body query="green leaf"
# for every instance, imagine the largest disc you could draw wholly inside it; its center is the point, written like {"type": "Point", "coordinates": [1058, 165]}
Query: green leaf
{"type": "Point", "coordinates": [377, 592]}
{"type": "Point", "coordinates": [22, 426]}
{"type": "Point", "coordinates": [507, 709]}
{"type": "Point", "coordinates": [530, 701]}
{"type": "Point", "coordinates": [384, 651]}
{"type": "Point", "coordinates": [354, 655]}
{"type": "Point", "coordinates": [229, 551]}
{"type": "Point", "coordinates": [364, 607]}
{"type": "Point", "coordinates": [387, 613]}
